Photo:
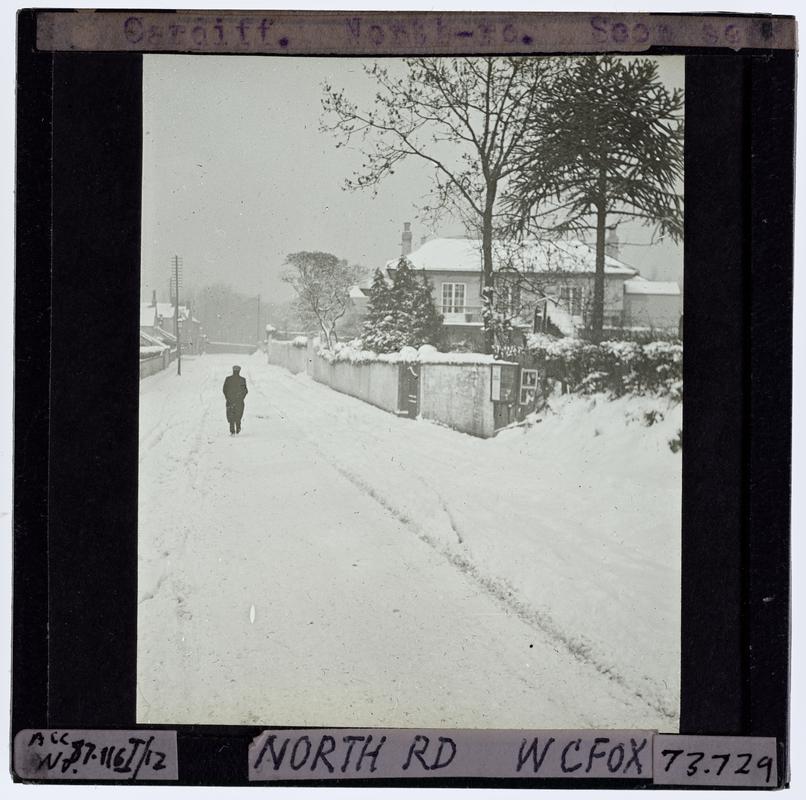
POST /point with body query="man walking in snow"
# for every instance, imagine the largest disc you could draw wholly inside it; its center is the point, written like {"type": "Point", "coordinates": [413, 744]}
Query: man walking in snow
{"type": "Point", "coordinates": [235, 391]}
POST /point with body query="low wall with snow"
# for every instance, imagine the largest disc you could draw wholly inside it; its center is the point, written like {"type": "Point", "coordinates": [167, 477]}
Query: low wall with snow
{"type": "Point", "coordinates": [373, 382]}
{"type": "Point", "coordinates": [458, 395]}
{"type": "Point", "coordinates": [288, 355]}
{"type": "Point", "coordinates": [230, 347]}
{"type": "Point", "coordinates": [454, 388]}
{"type": "Point", "coordinates": [150, 366]}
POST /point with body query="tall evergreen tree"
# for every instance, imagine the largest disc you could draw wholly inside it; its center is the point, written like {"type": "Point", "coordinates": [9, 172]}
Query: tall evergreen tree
{"type": "Point", "coordinates": [607, 146]}
{"type": "Point", "coordinates": [379, 323]}
{"type": "Point", "coordinates": [401, 314]}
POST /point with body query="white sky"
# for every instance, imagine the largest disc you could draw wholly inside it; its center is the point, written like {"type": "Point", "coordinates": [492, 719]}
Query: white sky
{"type": "Point", "coordinates": [237, 174]}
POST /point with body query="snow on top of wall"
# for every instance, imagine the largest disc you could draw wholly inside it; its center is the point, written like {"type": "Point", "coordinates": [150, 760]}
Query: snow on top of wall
{"type": "Point", "coordinates": [151, 343]}
{"type": "Point", "coordinates": [532, 255]}
{"type": "Point", "coordinates": [426, 354]}
{"type": "Point", "coordinates": [643, 286]}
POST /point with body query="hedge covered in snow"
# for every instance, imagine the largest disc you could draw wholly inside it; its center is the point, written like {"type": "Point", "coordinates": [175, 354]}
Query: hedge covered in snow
{"type": "Point", "coordinates": [425, 354]}
{"type": "Point", "coordinates": [617, 367]}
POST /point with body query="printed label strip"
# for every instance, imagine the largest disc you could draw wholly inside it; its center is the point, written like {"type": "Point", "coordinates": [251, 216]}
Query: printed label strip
{"type": "Point", "coordinates": [403, 33]}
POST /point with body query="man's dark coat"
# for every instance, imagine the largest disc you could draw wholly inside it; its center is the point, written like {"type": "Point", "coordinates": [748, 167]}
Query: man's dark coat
{"type": "Point", "coordinates": [235, 390]}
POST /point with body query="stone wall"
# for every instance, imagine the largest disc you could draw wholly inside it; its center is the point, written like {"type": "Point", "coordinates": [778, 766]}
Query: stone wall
{"type": "Point", "coordinates": [375, 383]}
{"type": "Point", "coordinates": [285, 354]}
{"type": "Point", "coordinates": [150, 366]}
{"type": "Point", "coordinates": [458, 395]}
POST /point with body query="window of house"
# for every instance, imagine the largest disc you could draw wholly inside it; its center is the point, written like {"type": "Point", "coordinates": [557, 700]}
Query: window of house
{"type": "Point", "coordinates": [453, 298]}
{"type": "Point", "coordinates": [571, 299]}
{"type": "Point", "coordinates": [508, 298]}
{"type": "Point", "coordinates": [528, 386]}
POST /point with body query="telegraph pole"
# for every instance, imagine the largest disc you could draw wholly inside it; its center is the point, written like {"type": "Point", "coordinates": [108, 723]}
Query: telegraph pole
{"type": "Point", "coordinates": [259, 338]}
{"type": "Point", "coordinates": [177, 265]}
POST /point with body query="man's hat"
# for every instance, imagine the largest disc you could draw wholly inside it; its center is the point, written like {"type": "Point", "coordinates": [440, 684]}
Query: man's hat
{"type": "Point", "coordinates": [236, 368]}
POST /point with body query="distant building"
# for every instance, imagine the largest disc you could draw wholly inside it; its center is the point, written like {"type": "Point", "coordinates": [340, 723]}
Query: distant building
{"type": "Point", "coordinates": [157, 319]}
{"type": "Point", "coordinates": [350, 325]}
{"type": "Point", "coordinates": [652, 304]}
{"type": "Point", "coordinates": [148, 319]}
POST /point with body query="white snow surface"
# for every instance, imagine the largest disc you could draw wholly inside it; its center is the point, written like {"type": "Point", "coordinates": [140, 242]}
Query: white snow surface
{"type": "Point", "coordinates": [337, 565]}
{"type": "Point", "coordinates": [643, 286]}
{"type": "Point", "coordinates": [464, 255]}
{"type": "Point", "coordinates": [425, 354]}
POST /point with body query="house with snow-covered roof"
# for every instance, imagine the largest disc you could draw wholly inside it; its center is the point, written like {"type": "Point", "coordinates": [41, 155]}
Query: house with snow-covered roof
{"type": "Point", "coordinates": [652, 304]}
{"type": "Point", "coordinates": [543, 284]}
{"type": "Point", "coordinates": [190, 328]}
{"type": "Point", "coordinates": [148, 318]}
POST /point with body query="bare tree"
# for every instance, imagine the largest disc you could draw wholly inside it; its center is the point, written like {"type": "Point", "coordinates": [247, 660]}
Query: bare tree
{"type": "Point", "coordinates": [606, 146]}
{"type": "Point", "coordinates": [464, 116]}
{"type": "Point", "coordinates": [322, 283]}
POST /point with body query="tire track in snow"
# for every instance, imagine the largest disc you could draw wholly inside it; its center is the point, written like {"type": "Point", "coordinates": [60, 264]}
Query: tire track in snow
{"type": "Point", "coordinates": [505, 594]}
{"type": "Point", "coordinates": [191, 465]}
{"type": "Point", "coordinates": [499, 589]}
{"type": "Point", "coordinates": [363, 421]}
{"type": "Point", "coordinates": [150, 439]}
{"type": "Point", "coordinates": [193, 458]}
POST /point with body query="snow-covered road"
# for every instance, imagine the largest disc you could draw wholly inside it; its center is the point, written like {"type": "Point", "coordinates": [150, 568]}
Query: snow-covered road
{"type": "Point", "coordinates": [336, 565]}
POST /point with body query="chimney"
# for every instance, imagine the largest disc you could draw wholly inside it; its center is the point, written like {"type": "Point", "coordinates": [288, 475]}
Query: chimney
{"type": "Point", "coordinates": [154, 298]}
{"type": "Point", "coordinates": [612, 247]}
{"type": "Point", "coordinates": [405, 246]}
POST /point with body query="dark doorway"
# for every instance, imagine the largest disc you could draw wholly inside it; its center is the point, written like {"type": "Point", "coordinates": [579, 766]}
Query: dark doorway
{"type": "Point", "coordinates": [409, 390]}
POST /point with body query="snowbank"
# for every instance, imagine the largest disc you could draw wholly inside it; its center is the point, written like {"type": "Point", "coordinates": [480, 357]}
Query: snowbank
{"type": "Point", "coordinates": [572, 522]}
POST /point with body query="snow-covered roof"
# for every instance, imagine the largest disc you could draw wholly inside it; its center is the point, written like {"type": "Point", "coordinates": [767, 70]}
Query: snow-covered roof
{"type": "Point", "coordinates": [166, 335]}
{"type": "Point", "coordinates": [643, 286]}
{"type": "Point", "coordinates": [147, 316]}
{"type": "Point", "coordinates": [357, 293]}
{"type": "Point", "coordinates": [166, 311]}
{"type": "Point", "coordinates": [532, 255]}
{"type": "Point", "coordinates": [146, 341]}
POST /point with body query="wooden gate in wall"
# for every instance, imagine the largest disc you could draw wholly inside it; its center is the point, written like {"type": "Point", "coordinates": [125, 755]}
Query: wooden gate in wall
{"type": "Point", "coordinates": [408, 402]}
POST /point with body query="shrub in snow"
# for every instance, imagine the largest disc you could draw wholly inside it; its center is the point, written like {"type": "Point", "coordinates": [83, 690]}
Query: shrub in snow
{"type": "Point", "coordinates": [426, 350]}
{"type": "Point", "coordinates": [614, 366]}
{"type": "Point", "coordinates": [402, 313]}
{"type": "Point", "coordinates": [299, 341]}
{"type": "Point", "coordinates": [409, 353]}
{"type": "Point", "coordinates": [651, 417]}
{"type": "Point", "coordinates": [593, 383]}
